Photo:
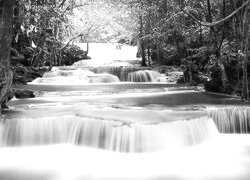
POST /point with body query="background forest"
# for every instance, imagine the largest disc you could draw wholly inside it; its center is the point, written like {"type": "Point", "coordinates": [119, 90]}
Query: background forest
{"type": "Point", "coordinates": [204, 37]}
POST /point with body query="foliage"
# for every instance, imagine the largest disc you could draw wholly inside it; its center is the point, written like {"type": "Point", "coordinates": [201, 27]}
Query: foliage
{"type": "Point", "coordinates": [72, 54]}
{"type": "Point", "coordinates": [199, 35]}
{"type": "Point", "coordinates": [103, 21]}
{"type": "Point", "coordinates": [40, 30]}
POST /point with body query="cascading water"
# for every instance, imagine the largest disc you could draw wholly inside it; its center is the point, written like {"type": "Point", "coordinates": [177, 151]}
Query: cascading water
{"type": "Point", "coordinates": [231, 119]}
{"type": "Point", "coordinates": [76, 127]}
{"type": "Point", "coordinates": [79, 76]}
{"type": "Point", "coordinates": [146, 76]}
{"type": "Point", "coordinates": [110, 135]}
{"type": "Point", "coordinates": [74, 77]}
{"type": "Point", "coordinates": [102, 69]}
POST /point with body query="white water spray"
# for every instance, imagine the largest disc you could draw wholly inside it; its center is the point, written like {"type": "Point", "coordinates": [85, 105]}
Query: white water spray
{"type": "Point", "coordinates": [105, 134]}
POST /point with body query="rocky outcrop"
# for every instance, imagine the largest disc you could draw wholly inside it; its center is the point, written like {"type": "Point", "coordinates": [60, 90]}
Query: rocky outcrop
{"type": "Point", "coordinates": [72, 54]}
{"type": "Point", "coordinates": [23, 93]}
{"type": "Point", "coordinates": [23, 75]}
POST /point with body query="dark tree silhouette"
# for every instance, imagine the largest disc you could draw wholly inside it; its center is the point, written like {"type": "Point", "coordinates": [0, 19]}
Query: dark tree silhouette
{"type": "Point", "coordinates": [6, 26]}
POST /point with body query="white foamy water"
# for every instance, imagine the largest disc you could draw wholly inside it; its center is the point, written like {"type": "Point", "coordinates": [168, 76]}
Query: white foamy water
{"type": "Point", "coordinates": [74, 77]}
{"type": "Point", "coordinates": [224, 157]}
{"type": "Point", "coordinates": [109, 54]}
{"type": "Point", "coordinates": [110, 63]}
{"type": "Point", "coordinates": [118, 136]}
{"type": "Point", "coordinates": [146, 76]}
{"type": "Point", "coordinates": [80, 129]}
{"type": "Point", "coordinates": [79, 76]}
{"type": "Point", "coordinates": [231, 119]}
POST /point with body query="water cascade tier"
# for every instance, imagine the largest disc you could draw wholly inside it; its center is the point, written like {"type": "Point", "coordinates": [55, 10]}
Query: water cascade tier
{"type": "Point", "coordinates": [110, 135]}
{"type": "Point", "coordinates": [74, 77]}
{"type": "Point", "coordinates": [80, 76]}
{"type": "Point", "coordinates": [114, 67]}
{"type": "Point", "coordinates": [146, 76]}
{"type": "Point", "coordinates": [231, 119]}
{"type": "Point", "coordinates": [136, 125]}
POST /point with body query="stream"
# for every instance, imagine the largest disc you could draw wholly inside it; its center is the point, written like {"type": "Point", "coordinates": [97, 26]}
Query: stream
{"type": "Point", "coordinates": [108, 118]}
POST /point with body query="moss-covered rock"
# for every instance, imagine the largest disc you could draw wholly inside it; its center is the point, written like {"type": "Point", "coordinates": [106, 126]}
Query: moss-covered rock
{"type": "Point", "coordinates": [72, 54]}
{"type": "Point", "coordinates": [23, 93]}
{"type": "Point", "coordinates": [23, 75]}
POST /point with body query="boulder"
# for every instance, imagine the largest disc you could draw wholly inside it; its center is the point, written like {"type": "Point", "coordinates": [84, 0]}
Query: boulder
{"type": "Point", "coordinates": [23, 93]}
{"type": "Point", "coordinates": [23, 75]}
{"type": "Point", "coordinates": [72, 54]}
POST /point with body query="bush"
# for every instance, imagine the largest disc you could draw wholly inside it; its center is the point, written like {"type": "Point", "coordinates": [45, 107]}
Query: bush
{"type": "Point", "coordinates": [72, 54]}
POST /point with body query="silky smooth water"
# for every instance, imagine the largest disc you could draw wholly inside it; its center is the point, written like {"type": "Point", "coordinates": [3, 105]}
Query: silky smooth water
{"type": "Point", "coordinates": [76, 129]}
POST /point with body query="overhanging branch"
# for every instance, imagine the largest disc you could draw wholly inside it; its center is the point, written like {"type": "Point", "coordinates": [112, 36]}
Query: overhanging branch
{"type": "Point", "coordinates": [72, 39]}
{"type": "Point", "coordinates": [62, 3]}
{"type": "Point", "coordinates": [212, 24]}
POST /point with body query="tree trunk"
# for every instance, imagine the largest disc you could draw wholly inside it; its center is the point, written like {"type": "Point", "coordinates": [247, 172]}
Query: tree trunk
{"type": "Point", "coordinates": [217, 45]}
{"type": "Point", "coordinates": [87, 47]}
{"type": "Point", "coordinates": [224, 78]}
{"type": "Point", "coordinates": [201, 36]}
{"type": "Point", "coordinates": [6, 27]}
{"type": "Point", "coordinates": [143, 54]}
{"type": "Point", "coordinates": [158, 50]}
{"type": "Point", "coordinates": [149, 56]}
{"type": "Point", "coordinates": [245, 46]}
{"type": "Point", "coordinates": [190, 73]}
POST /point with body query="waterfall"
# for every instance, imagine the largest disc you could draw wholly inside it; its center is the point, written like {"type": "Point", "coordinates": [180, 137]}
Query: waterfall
{"type": "Point", "coordinates": [146, 76]}
{"type": "Point", "coordinates": [110, 135]}
{"type": "Point", "coordinates": [127, 73]}
{"type": "Point", "coordinates": [109, 64]}
{"type": "Point", "coordinates": [80, 76]}
{"type": "Point", "coordinates": [74, 77]}
{"type": "Point", "coordinates": [231, 119]}
{"type": "Point", "coordinates": [120, 71]}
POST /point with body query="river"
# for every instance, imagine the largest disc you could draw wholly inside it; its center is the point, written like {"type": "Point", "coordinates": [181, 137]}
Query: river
{"type": "Point", "coordinates": [108, 118]}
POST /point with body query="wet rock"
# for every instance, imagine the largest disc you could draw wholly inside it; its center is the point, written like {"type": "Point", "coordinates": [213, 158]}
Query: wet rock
{"type": "Point", "coordinates": [23, 75]}
{"type": "Point", "coordinates": [23, 93]}
{"type": "Point", "coordinates": [72, 54]}
{"type": "Point", "coordinates": [18, 80]}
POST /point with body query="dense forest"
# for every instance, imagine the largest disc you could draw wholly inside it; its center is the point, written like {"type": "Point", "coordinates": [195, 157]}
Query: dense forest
{"type": "Point", "coordinates": [204, 37]}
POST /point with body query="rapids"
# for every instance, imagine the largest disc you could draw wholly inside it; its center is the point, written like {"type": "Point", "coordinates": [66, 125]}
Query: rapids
{"type": "Point", "coordinates": [109, 118]}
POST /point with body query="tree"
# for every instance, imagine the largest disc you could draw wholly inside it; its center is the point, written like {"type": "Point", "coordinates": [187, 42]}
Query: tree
{"type": "Point", "coordinates": [102, 21]}
{"type": "Point", "coordinates": [245, 50]}
{"type": "Point", "coordinates": [6, 27]}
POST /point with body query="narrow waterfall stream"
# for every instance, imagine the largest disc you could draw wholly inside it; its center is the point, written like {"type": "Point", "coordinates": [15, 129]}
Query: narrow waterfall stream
{"type": "Point", "coordinates": [109, 118]}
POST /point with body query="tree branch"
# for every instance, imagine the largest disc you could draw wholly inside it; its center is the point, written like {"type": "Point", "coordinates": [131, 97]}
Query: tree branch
{"type": "Point", "coordinates": [76, 6]}
{"type": "Point", "coordinates": [172, 17]}
{"type": "Point", "coordinates": [72, 39]}
{"type": "Point", "coordinates": [62, 3]}
{"type": "Point", "coordinates": [212, 24]}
